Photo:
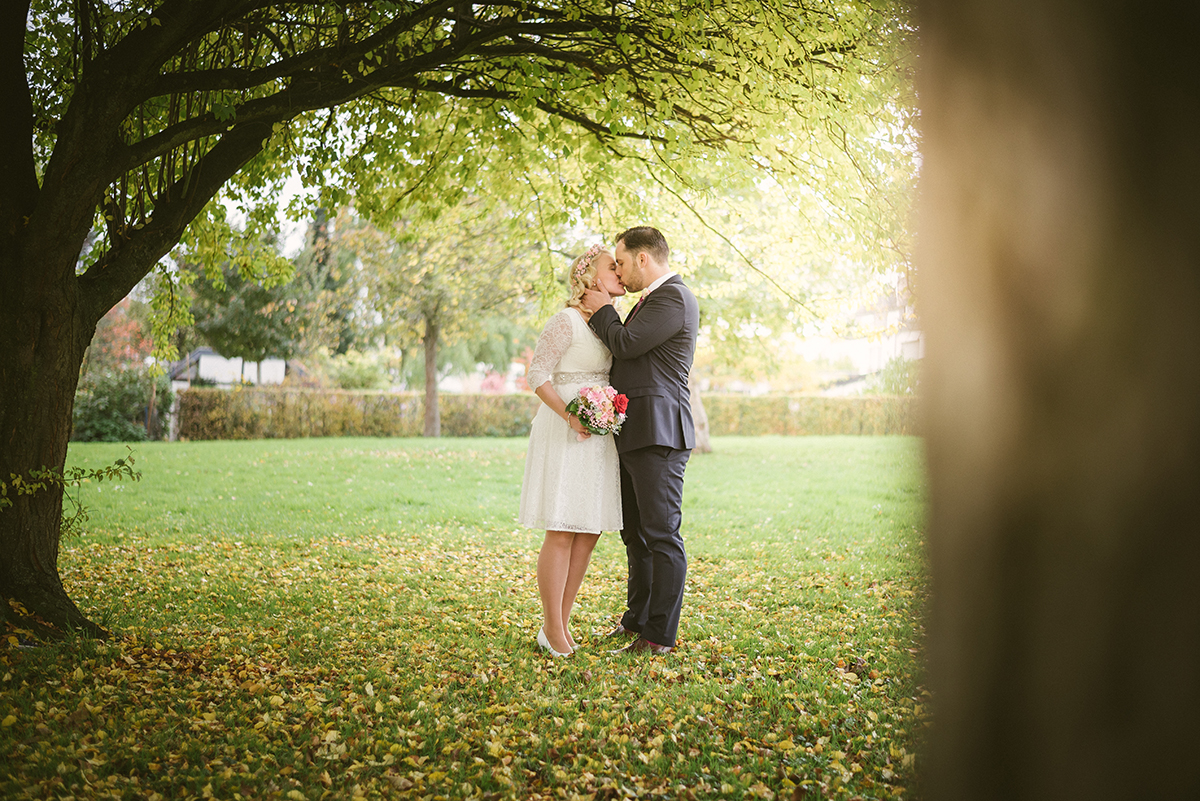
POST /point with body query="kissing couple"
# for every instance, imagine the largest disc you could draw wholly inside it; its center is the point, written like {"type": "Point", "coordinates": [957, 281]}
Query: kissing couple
{"type": "Point", "coordinates": [577, 483]}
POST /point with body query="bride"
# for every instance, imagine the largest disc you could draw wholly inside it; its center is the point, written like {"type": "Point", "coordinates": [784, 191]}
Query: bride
{"type": "Point", "coordinates": [572, 485]}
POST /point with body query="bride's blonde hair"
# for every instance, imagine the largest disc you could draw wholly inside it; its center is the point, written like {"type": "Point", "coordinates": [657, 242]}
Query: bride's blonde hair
{"type": "Point", "coordinates": [582, 275]}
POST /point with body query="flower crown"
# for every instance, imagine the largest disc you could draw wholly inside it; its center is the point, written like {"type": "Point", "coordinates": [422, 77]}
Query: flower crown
{"type": "Point", "coordinates": [586, 259]}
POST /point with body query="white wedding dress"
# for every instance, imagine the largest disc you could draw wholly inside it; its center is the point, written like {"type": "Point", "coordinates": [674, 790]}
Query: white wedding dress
{"type": "Point", "coordinates": [569, 485]}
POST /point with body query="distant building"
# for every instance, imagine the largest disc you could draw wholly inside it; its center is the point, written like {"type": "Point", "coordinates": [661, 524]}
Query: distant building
{"type": "Point", "coordinates": [205, 366]}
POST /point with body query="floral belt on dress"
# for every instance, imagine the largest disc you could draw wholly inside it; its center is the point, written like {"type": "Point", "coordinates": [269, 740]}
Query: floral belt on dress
{"type": "Point", "coordinates": [581, 377]}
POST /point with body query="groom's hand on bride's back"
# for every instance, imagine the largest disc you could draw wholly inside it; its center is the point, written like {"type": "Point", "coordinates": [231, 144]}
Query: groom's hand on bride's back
{"type": "Point", "coordinates": [593, 299]}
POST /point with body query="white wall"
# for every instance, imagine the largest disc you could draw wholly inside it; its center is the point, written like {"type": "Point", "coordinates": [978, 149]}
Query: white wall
{"type": "Point", "coordinates": [236, 371]}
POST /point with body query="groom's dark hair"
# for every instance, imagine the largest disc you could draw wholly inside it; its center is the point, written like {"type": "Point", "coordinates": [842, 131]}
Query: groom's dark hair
{"type": "Point", "coordinates": [650, 240]}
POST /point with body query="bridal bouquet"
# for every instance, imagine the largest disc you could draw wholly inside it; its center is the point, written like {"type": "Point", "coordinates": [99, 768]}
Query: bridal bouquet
{"type": "Point", "coordinates": [600, 409]}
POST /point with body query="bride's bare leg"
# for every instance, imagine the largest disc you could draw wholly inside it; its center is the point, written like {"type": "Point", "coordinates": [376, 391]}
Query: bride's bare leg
{"type": "Point", "coordinates": [553, 566]}
{"type": "Point", "coordinates": [581, 555]}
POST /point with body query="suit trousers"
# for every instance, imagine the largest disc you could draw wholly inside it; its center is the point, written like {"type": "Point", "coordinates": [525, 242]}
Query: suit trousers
{"type": "Point", "coordinates": [652, 501]}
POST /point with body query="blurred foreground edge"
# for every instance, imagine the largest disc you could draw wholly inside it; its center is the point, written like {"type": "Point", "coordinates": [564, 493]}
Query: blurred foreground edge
{"type": "Point", "coordinates": [1059, 285]}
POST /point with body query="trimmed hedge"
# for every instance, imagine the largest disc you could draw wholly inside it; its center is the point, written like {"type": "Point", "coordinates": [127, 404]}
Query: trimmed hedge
{"type": "Point", "coordinates": [246, 413]}
{"type": "Point", "coordinates": [798, 415]}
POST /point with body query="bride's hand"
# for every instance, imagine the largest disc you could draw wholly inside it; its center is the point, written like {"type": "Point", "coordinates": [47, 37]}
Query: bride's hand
{"type": "Point", "coordinates": [593, 299]}
{"type": "Point", "coordinates": [577, 427]}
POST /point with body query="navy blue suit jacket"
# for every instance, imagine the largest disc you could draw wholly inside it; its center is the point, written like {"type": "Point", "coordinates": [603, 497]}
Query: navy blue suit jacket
{"type": "Point", "coordinates": [652, 356]}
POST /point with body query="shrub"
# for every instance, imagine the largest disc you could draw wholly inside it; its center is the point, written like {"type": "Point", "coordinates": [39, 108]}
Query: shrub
{"type": "Point", "coordinates": [354, 370]}
{"type": "Point", "coordinates": [899, 376]}
{"type": "Point", "coordinates": [113, 406]}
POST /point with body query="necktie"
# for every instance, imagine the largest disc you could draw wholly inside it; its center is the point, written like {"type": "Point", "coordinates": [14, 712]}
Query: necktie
{"type": "Point", "coordinates": [637, 306]}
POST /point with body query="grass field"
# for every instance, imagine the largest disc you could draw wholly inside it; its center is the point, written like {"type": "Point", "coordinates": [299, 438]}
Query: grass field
{"type": "Point", "coordinates": [351, 618]}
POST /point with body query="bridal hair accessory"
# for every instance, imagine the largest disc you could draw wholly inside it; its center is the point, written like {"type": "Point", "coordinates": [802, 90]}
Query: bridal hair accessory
{"type": "Point", "coordinates": [586, 259]}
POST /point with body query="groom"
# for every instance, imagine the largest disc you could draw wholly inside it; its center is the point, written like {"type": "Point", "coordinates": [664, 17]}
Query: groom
{"type": "Point", "coordinates": [652, 356]}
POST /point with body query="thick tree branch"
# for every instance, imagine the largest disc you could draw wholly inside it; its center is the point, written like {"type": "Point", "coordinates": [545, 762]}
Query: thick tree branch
{"type": "Point", "coordinates": [327, 76]}
{"type": "Point", "coordinates": [233, 79]}
{"type": "Point", "coordinates": [18, 177]}
{"type": "Point", "coordinates": [131, 259]}
{"type": "Point", "coordinates": [327, 87]}
{"type": "Point", "coordinates": [88, 146]}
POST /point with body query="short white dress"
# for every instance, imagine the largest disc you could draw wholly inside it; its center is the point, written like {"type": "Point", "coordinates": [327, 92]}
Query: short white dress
{"type": "Point", "coordinates": [569, 485]}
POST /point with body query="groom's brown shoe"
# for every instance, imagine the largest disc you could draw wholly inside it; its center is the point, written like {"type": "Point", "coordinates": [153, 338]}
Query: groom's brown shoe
{"type": "Point", "coordinates": [621, 631]}
{"type": "Point", "coordinates": [642, 645]}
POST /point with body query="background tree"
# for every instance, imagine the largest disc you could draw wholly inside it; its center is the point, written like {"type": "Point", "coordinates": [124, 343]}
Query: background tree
{"type": "Point", "coordinates": [899, 376]}
{"type": "Point", "coordinates": [245, 319]}
{"type": "Point", "coordinates": [122, 338]}
{"type": "Point", "coordinates": [132, 117]}
{"type": "Point", "coordinates": [446, 281]}
{"type": "Point", "coordinates": [325, 284]}
{"type": "Point", "coordinates": [119, 399]}
{"type": "Point", "coordinates": [772, 258]}
{"type": "Point", "coordinates": [256, 317]}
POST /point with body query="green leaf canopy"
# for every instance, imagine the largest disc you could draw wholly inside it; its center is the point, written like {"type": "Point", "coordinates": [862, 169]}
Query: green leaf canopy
{"type": "Point", "coordinates": [142, 113]}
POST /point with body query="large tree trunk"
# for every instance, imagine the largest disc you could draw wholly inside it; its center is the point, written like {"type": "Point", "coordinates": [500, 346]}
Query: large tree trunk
{"type": "Point", "coordinates": [48, 313]}
{"type": "Point", "coordinates": [1060, 289]}
{"type": "Point", "coordinates": [433, 420]}
{"type": "Point", "coordinates": [45, 328]}
{"type": "Point", "coordinates": [699, 418]}
{"type": "Point", "coordinates": [43, 343]}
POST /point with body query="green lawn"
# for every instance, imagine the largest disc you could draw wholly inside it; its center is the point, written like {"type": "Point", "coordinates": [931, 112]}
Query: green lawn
{"type": "Point", "coordinates": [356, 617]}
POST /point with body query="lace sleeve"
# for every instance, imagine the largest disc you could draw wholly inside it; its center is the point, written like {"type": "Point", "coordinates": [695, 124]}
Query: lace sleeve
{"type": "Point", "coordinates": [552, 344]}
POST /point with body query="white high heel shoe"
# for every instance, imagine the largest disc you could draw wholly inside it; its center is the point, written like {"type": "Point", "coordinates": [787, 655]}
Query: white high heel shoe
{"type": "Point", "coordinates": [544, 642]}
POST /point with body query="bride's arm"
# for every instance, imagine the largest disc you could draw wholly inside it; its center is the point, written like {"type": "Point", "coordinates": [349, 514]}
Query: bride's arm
{"type": "Point", "coordinates": [550, 397]}
{"type": "Point", "coordinates": [552, 344]}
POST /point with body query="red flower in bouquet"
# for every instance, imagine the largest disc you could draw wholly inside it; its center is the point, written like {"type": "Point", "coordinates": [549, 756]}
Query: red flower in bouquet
{"type": "Point", "coordinates": [601, 410]}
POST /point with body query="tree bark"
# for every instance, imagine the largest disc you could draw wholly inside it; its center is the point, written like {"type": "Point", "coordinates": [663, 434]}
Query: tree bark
{"type": "Point", "coordinates": [48, 314]}
{"type": "Point", "coordinates": [699, 418]}
{"type": "Point", "coordinates": [43, 346]}
{"type": "Point", "coordinates": [433, 421]}
{"type": "Point", "coordinates": [44, 332]}
{"type": "Point", "coordinates": [1060, 291]}
{"type": "Point", "coordinates": [152, 410]}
